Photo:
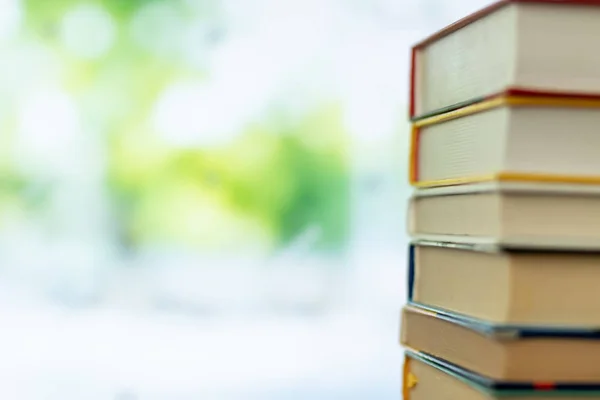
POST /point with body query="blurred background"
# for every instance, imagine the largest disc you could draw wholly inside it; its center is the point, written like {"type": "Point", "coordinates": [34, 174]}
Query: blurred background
{"type": "Point", "coordinates": [204, 199]}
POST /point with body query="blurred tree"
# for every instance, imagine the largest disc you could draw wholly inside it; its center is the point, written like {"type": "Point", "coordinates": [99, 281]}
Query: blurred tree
{"type": "Point", "coordinates": [283, 179]}
{"type": "Point", "coordinates": [275, 181]}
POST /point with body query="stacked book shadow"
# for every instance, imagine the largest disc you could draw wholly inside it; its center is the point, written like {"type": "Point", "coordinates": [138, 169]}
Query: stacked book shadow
{"type": "Point", "coordinates": [504, 263]}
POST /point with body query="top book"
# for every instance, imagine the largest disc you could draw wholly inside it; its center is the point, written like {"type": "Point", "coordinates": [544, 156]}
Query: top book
{"type": "Point", "coordinates": [536, 46]}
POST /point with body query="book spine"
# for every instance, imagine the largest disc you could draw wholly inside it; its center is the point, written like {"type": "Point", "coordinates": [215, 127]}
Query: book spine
{"type": "Point", "coordinates": [413, 83]}
{"type": "Point", "coordinates": [410, 272]}
{"type": "Point", "coordinates": [413, 167]}
{"type": "Point", "coordinates": [409, 380]}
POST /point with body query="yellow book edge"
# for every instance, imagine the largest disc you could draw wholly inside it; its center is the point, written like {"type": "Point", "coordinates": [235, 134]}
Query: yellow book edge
{"type": "Point", "coordinates": [409, 380]}
{"type": "Point", "coordinates": [532, 101]}
{"type": "Point", "coordinates": [508, 177]}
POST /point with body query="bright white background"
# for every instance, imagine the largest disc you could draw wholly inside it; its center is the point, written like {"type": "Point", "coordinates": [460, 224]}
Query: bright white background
{"type": "Point", "coordinates": [231, 332]}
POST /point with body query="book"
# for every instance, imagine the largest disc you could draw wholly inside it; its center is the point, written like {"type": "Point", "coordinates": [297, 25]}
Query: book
{"type": "Point", "coordinates": [545, 138]}
{"type": "Point", "coordinates": [538, 46]}
{"type": "Point", "coordinates": [504, 264]}
{"type": "Point", "coordinates": [500, 353]}
{"type": "Point", "coordinates": [524, 288]}
{"type": "Point", "coordinates": [509, 214]}
{"type": "Point", "coordinates": [426, 377]}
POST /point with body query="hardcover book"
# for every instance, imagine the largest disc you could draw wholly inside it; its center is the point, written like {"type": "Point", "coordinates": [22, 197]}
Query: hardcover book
{"type": "Point", "coordinates": [526, 215]}
{"type": "Point", "coordinates": [513, 288]}
{"type": "Point", "coordinates": [426, 377]}
{"type": "Point", "coordinates": [535, 46]}
{"type": "Point", "coordinates": [505, 353]}
{"type": "Point", "coordinates": [541, 138]}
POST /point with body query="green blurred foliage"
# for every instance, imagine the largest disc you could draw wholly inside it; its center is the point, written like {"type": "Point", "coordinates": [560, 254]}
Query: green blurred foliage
{"type": "Point", "coordinates": [48, 14]}
{"type": "Point", "coordinates": [277, 179]}
{"type": "Point", "coordinates": [285, 179]}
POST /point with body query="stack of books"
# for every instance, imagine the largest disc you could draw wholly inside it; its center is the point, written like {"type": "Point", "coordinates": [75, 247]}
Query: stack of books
{"type": "Point", "coordinates": [504, 263]}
